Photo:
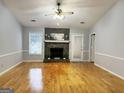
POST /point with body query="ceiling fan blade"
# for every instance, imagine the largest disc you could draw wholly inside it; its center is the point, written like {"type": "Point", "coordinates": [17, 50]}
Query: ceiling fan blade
{"type": "Point", "coordinates": [67, 13]}
{"type": "Point", "coordinates": [49, 14]}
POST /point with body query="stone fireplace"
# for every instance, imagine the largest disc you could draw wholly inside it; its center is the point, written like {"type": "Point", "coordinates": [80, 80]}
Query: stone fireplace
{"type": "Point", "coordinates": [56, 49]}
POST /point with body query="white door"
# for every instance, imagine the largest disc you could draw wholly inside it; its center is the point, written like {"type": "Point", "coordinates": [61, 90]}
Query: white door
{"type": "Point", "coordinates": [77, 47]}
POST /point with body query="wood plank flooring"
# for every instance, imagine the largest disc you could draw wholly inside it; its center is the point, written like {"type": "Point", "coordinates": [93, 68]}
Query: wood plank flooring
{"type": "Point", "coordinates": [61, 78]}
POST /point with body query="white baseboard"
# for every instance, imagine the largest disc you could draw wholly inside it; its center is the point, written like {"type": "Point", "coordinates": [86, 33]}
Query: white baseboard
{"type": "Point", "coordinates": [109, 71]}
{"type": "Point", "coordinates": [79, 61]}
{"type": "Point", "coordinates": [32, 60]}
{"type": "Point", "coordinates": [86, 61]}
{"type": "Point", "coordinates": [10, 68]}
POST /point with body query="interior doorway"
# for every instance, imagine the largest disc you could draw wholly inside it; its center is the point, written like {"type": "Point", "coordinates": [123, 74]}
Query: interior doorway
{"type": "Point", "coordinates": [92, 47]}
{"type": "Point", "coordinates": [77, 47]}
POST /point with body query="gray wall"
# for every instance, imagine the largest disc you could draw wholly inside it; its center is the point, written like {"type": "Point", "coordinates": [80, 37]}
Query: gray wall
{"type": "Point", "coordinates": [26, 31]}
{"type": "Point", "coordinates": [110, 40]}
{"type": "Point", "coordinates": [10, 39]}
{"type": "Point", "coordinates": [26, 55]}
{"type": "Point", "coordinates": [85, 34]}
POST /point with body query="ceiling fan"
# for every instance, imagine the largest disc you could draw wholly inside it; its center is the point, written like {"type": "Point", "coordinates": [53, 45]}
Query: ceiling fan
{"type": "Point", "coordinates": [59, 14]}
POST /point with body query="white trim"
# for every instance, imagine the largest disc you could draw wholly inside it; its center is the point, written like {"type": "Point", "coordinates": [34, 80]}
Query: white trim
{"type": "Point", "coordinates": [86, 60]}
{"type": "Point", "coordinates": [10, 68]}
{"type": "Point", "coordinates": [76, 61]}
{"type": "Point", "coordinates": [79, 61]}
{"type": "Point", "coordinates": [90, 37]}
{"type": "Point", "coordinates": [109, 71]}
{"type": "Point", "coordinates": [58, 41]}
{"type": "Point", "coordinates": [32, 60]}
{"type": "Point", "coordinates": [119, 58]}
{"type": "Point", "coordinates": [12, 53]}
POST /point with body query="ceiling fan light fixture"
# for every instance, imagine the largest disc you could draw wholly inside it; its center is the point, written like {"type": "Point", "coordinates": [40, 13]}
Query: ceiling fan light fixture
{"type": "Point", "coordinates": [56, 16]}
{"type": "Point", "coordinates": [59, 14]}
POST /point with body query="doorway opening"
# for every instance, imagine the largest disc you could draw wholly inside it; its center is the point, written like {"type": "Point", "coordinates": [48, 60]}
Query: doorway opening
{"type": "Point", "coordinates": [77, 47]}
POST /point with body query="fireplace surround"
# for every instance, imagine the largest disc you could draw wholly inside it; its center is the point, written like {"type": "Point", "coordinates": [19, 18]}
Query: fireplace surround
{"type": "Point", "coordinates": [56, 49]}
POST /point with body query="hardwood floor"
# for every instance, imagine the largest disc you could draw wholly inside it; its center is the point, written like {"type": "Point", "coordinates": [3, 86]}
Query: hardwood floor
{"type": "Point", "coordinates": [61, 78]}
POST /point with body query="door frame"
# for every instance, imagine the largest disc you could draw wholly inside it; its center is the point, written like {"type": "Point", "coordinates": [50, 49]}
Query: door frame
{"type": "Point", "coordinates": [90, 37]}
{"type": "Point", "coordinates": [73, 35]}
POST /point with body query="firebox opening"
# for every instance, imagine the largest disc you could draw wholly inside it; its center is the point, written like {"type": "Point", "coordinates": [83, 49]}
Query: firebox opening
{"type": "Point", "coordinates": [56, 53]}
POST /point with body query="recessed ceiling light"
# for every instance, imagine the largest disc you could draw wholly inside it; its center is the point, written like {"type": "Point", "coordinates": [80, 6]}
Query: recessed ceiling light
{"type": "Point", "coordinates": [33, 20]}
{"type": "Point", "coordinates": [82, 22]}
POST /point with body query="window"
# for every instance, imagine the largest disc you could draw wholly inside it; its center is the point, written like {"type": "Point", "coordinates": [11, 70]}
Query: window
{"type": "Point", "coordinates": [35, 43]}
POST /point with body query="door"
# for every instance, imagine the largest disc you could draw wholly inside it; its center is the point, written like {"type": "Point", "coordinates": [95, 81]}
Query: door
{"type": "Point", "coordinates": [92, 47]}
{"type": "Point", "coordinates": [77, 47]}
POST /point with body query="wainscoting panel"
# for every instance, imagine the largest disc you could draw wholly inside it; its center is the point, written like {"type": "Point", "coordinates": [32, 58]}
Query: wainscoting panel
{"type": "Point", "coordinates": [114, 65]}
{"type": "Point", "coordinates": [9, 60]}
{"type": "Point", "coordinates": [27, 57]}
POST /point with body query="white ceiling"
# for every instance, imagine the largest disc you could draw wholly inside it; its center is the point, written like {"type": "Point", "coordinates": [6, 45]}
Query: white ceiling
{"type": "Point", "coordinates": [88, 11]}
